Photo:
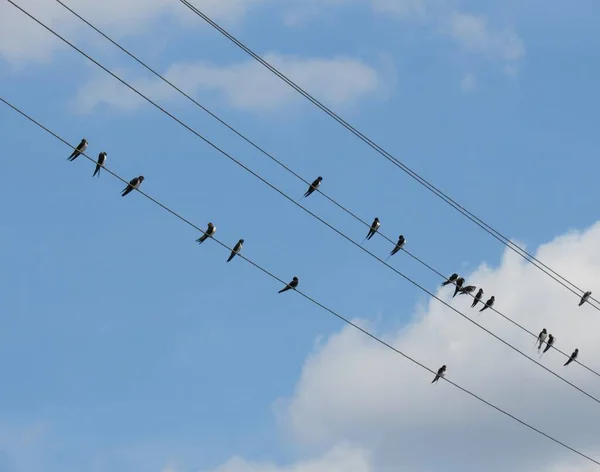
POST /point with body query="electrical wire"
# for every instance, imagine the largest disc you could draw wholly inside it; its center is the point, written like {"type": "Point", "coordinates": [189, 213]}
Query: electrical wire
{"type": "Point", "coordinates": [292, 172]}
{"type": "Point", "coordinates": [307, 297]}
{"type": "Point", "coordinates": [266, 182]}
{"type": "Point", "coordinates": [439, 193]}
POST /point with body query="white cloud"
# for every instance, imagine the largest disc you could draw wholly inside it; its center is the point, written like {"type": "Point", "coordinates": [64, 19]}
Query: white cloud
{"type": "Point", "coordinates": [22, 40]}
{"type": "Point", "coordinates": [473, 34]}
{"type": "Point", "coordinates": [246, 85]}
{"type": "Point", "coordinates": [352, 389]}
{"type": "Point", "coordinates": [341, 458]}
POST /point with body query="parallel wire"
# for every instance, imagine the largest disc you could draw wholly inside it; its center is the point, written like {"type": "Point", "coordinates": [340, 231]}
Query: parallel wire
{"type": "Point", "coordinates": [266, 182]}
{"type": "Point", "coordinates": [291, 171]}
{"type": "Point", "coordinates": [307, 297]}
{"type": "Point", "coordinates": [439, 193]}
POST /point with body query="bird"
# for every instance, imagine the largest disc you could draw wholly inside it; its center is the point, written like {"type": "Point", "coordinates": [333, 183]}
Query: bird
{"type": "Point", "coordinates": [541, 338]}
{"type": "Point", "coordinates": [466, 290]}
{"type": "Point", "coordinates": [489, 303]}
{"type": "Point", "coordinates": [207, 234]}
{"type": "Point", "coordinates": [133, 184]}
{"type": "Point", "coordinates": [78, 150]}
{"type": "Point", "coordinates": [459, 283]}
{"type": "Point", "coordinates": [440, 373]}
{"type": "Point", "coordinates": [451, 279]}
{"type": "Point", "coordinates": [477, 297]}
{"type": "Point", "coordinates": [399, 245]}
{"type": "Point", "coordinates": [573, 357]}
{"type": "Point", "coordinates": [314, 186]}
{"type": "Point", "coordinates": [236, 249]}
{"type": "Point", "coordinates": [292, 284]}
{"type": "Point", "coordinates": [585, 297]}
{"type": "Point", "coordinates": [100, 163]}
{"type": "Point", "coordinates": [549, 343]}
{"type": "Point", "coordinates": [373, 229]}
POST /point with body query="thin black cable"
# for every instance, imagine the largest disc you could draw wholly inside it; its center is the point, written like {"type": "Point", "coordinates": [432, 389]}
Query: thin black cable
{"type": "Point", "coordinates": [266, 182]}
{"type": "Point", "coordinates": [482, 224]}
{"type": "Point", "coordinates": [307, 297]}
{"type": "Point", "coordinates": [288, 169]}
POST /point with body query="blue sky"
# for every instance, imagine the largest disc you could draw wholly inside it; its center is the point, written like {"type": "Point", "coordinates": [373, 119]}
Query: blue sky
{"type": "Point", "coordinates": [125, 346]}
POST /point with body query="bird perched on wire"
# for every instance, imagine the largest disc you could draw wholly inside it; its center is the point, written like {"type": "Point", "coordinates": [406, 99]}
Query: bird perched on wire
{"type": "Point", "coordinates": [451, 279]}
{"type": "Point", "coordinates": [467, 290]}
{"type": "Point", "coordinates": [549, 344]}
{"type": "Point", "coordinates": [291, 285]}
{"type": "Point", "coordinates": [80, 149]}
{"type": "Point", "coordinates": [100, 163]}
{"type": "Point", "coordinates": [573, 357]}
{"type": "Point", "coordinates": [314, 186]}
{"type": "Point", "coordinates": [134, 184]}
{"type": "Point", "coordinates": [236, 249]}
{"type": "Point", "coordinates": [207, 234]}
{"type": "Point", "coordinates": [399, 245]}
{"type": "Point", "coordinates": [459, 283]}
{"type": "Point", "coordinates": [541, 338]}
{"type": "Point", "coordinates": [373, 229]}
{"type": "Point", "coordinates": [440, 373]}
{"type": "Point", "coordinates": [477, 298]}
{"type": "Point", "coordinates": [488, 304]}
{"type": "Point", "coordinates": [585, 298]}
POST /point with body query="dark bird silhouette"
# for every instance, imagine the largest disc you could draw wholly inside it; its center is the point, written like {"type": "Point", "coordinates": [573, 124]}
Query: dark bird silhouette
{"type": "Point", "coordinates": [451, 279]}
{"type": "Point", "coordinates": [573, 357]}
{"type": "Point", "coordinates": [291, 285]}
{"type": "Point", "coordinates": [489, 303]}
{"type": "Point", "coordinates": [477, 298]}
{"type": "Point", "coordinates": [440, 373]}
{"type": "Point", "coordinates": [549, 344]}
{"type": "Point", "coordinates": [467, 290]}
{"type": "Point", "coordinates": [134, 184]}
{"type": "Point", "coordinates": [78, 150]}
{"type": "Point", "coordinates": [100, 163]}
{"type": "Point", "coordinates": [585, 298]}
{"type": "Point", "coordinates": [374, 227]}
{"type": "Point", "coordinates": [541, 338]}
{"type": "Point", "coordinates": [236, 250]}
{"type": "Point", "coordinates": [399, 245]}
{"type": "Point", "coordinates": [314, 186]}
{"type": "Point", "coordinates": [459, 283]}
{"type": "Point", "coordinates": [207, 234]}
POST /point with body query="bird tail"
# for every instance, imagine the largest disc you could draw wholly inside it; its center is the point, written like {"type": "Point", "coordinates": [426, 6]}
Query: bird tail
{"type": "Point", "coordinates": [445, 283]}
{"type": "Point", "coordinates": [230, 257]}
{"type": "Point", "coordinates": [284, 289]}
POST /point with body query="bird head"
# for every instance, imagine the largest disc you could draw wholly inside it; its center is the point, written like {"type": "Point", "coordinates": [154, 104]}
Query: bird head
{"type": "Point", "coordinates": [319, 178]}
{"type": "Point", "coordinates": [241, 241]}
{"type": "Point", "coordinates": [544, 330]}
{"type": "Point", "coordinates": [376, 220]}
{"type": "Point", "coordinates": [84, 141]}
{"type": "Point", "coordinates": [295, 279]}
{"type": "Point", "coordinates": [576, 351]}
{"type": "Point", "coordinates": [493, 298]}
{"type": "Point", "coordinates": [141, 177]}
{"type": "Point", "coordinates": [444, 367]}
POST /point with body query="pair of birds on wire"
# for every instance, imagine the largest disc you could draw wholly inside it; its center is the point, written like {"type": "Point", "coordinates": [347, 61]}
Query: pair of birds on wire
{"type": "Point", "coordinates": [212, 229]}
{"type": "Point", "coordinates": [373, 229]}
{"type": "Point", "coordinates": [80, 149]}
{"type": "Point", "coordinates": [468, 290]}
{"type": "Point", "coordinates": [544, 337]}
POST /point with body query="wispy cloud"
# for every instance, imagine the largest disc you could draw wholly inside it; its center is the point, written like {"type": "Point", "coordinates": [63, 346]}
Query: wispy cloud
{"type": "Point", "coordinates": [245, 85]}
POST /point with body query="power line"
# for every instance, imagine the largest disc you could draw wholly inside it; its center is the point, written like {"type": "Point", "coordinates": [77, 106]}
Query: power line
{"type": "Point", "coordinates": [307, 297]}
{"type": "Point", "coordinates": [479, 222]}
{"type": "Point", "coordinates": [266, 182]}
{"type": "Point", "coordinates": [291, 171]}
